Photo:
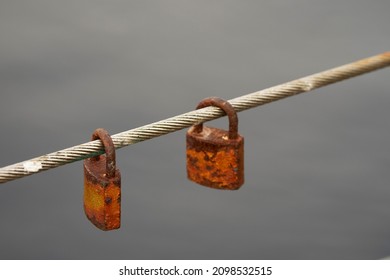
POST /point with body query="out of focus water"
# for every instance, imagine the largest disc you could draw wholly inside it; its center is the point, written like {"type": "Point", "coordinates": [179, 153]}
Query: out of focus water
{"type": "Point", "coordinates": [317, 165]}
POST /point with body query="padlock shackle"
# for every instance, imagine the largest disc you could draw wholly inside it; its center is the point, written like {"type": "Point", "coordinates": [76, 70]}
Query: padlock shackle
{"type": "Point", "coordinates": [109, 148]}
{"type": "Point", "coordinates": [227, 108]}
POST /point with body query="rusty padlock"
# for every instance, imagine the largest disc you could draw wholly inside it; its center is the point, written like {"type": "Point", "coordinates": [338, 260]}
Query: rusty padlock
{"type": "Point", "coordinates": [215, 157]}
{"type": "Point", "coordinates": [102, 186]}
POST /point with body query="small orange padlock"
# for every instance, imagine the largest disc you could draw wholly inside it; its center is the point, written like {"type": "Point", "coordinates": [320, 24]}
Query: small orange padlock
{"type": "Point", "coordinates": [102, 186]}
{"type": "Point", "coordinates": [215, 157]}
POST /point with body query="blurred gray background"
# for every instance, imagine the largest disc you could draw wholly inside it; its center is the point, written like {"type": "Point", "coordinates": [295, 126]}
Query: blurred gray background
{"type": "Point", "coordinates": [317, 165]}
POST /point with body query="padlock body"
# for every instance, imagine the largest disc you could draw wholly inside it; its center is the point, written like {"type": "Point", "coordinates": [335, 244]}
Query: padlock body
{"type": "Point", "coordinates": [214, 160]}
{"type": "Point", "coordinates": [102, 195]}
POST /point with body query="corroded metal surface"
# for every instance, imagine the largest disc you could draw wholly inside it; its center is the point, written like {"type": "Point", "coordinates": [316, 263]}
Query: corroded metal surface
{"type": "Point", "coordinates": [215, 157]}
{"type": "Point", "coordinates": [102, 186]}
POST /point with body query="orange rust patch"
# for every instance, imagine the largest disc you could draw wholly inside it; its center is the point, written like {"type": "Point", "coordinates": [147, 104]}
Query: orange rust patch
{"type": "Point", "coordinates": [215, 161]}
{"type": "Point", "coordinates": [102, 196]}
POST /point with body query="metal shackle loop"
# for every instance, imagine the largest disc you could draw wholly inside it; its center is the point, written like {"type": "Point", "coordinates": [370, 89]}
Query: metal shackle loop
{"type": "Point", "coordinates": [227, 108]}
{"type": "Point", "coordinates": [109, 148]}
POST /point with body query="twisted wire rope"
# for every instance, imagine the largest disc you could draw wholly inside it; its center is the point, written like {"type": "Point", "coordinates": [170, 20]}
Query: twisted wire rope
{"type": "Point", "coordinates": [156, 129]}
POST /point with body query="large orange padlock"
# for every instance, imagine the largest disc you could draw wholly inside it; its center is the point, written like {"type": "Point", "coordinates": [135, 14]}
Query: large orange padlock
{"type": "Point", "coordinates": [102, 186]}
{"type": "Point", "coordinates": [215, 157]}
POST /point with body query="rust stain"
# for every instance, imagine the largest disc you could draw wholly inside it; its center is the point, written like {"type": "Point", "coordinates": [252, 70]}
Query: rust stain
{"type": "Point", "coordinates": [383, 58]}
{"type": "Point", "coordinates": [102, 195]}
{"type": "Point", "coordinates": [215, 157]}
{"type": "Point", "coordinates": [102, 187]}
{"type": "Point", "coordinates": [215, 162]}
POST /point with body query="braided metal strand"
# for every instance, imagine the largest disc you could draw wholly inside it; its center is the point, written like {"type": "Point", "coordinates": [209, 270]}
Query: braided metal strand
{"type": "Point", "coordinates": [179, 122]}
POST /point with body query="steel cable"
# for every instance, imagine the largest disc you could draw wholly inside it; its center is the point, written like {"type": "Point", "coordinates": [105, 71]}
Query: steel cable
{"type": "Point", "coordinates": [245, 102]}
